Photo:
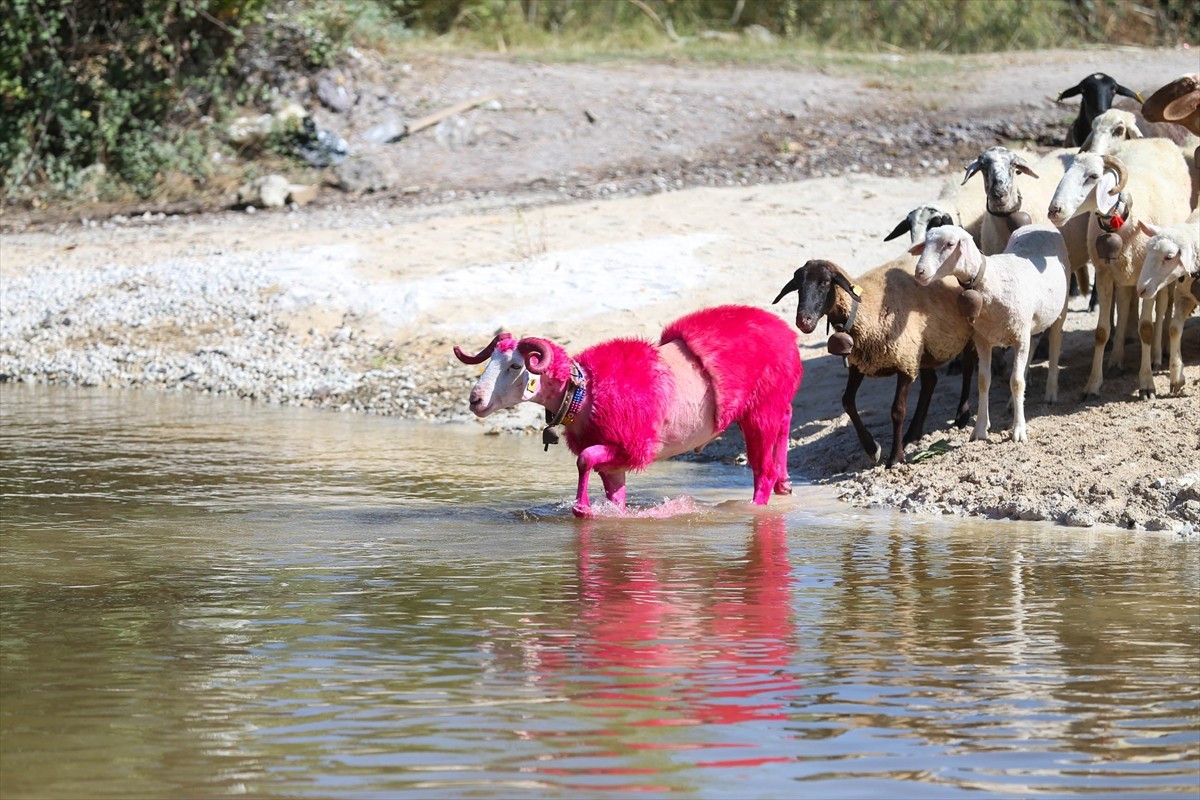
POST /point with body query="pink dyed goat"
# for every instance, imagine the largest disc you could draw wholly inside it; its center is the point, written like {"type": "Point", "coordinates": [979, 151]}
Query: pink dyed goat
{"type": "Point", "coordinates": [627, 403]}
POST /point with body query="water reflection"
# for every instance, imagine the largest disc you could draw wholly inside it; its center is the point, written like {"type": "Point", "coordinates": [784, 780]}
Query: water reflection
{"type": "Point", "coordinates": [274, 603]}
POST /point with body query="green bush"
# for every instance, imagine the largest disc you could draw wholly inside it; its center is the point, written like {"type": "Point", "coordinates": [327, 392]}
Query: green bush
{"type": "Point", "coordinates": [86, 82]}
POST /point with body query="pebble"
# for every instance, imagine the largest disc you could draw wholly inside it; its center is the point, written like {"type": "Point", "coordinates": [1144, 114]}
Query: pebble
{"type": "Point", "coordinates": [210, 326]}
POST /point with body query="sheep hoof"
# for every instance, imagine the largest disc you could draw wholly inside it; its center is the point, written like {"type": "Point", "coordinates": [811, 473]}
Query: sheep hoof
{"type": "Point", "coordinates": [583, 512]}
{"type": "Point", "coordinates": [878, 454]}
{"type": "Point", "coordinates": [1090, 395]}
{"type": "Point", "coordinates": [1146, 394]}
{"type": "Point", "coordinates": [783, 487]}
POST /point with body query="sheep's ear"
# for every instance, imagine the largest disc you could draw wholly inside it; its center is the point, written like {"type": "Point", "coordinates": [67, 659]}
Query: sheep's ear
{"type": "Point", "coordinates": [1147, 228]}
{"type": "Point", "coordinates": [971, 168]}
{"type": "Point", "coordinates": [1135, 133]}
{"type": "Point", "coordinates": [1023, 166]}
{"type": "Point", "coordinates": [1087, 143]}
{"type": "Point", "coordinates": [917, 249]}
{"type": "Point", "coordinates": [842, 281]}
{"type": "Point", "coordinates": [790, 286]}
{"type": "Point", "coordinates": [905, 226]}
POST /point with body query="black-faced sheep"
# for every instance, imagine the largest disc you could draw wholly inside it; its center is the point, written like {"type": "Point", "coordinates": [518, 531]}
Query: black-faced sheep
{"type": "Point", "coordinates": [894, 328]}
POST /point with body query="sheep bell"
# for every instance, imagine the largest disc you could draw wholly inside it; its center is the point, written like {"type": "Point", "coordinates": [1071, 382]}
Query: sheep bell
{"type": "Point", "coordinates": [840, 344]}
{"type": "Point", "coordinates": [1108, 246]}
{"type": "Point", "coordinates": [970, 302]}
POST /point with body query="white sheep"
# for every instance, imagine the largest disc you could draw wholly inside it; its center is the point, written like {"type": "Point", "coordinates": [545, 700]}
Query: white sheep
{"type": "Point", "coordinates": [886, 325]}
{"type": "Point", "coordinates": [1021, 292]}
{"type": "Point", "coordinates": [1146, 180]}
{"type": "Point", "coordinates": [1113, 126]}
{"type": "Point", "coordinates": [1173, 255]}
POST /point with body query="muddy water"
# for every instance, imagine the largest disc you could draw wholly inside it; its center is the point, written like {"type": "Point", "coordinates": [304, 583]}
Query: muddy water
{"type": "Point", "coordinates": [204, 597]}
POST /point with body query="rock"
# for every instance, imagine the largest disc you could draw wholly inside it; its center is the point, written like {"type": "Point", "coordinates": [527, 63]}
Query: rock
{"type": "Point", "coordinates": [334, 92]}
{"type": "Point", "coordinates": [759, 34]}
{"type": "Point", "coordinates": [269, 191]}
{"type": "Point", "coordinates": [1078, 518]}
{"type": "Point", "coordinates": [361, 174]}
{"type": "Point", "coordinates": [301, 194]}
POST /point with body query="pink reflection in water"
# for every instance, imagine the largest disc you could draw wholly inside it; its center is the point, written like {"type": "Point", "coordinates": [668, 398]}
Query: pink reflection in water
{"type": "Point", "coordinates": [676, 644]}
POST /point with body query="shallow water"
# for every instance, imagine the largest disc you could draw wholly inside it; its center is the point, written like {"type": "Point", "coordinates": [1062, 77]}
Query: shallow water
{"type": "Point", "coordinates": [203, 597]}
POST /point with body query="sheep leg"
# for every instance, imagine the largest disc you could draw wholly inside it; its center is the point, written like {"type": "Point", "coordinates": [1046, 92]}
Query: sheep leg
{"type": "Point", "coordinates": [1017, 384]}
{"type": "Point", "coordinates": [1126, 307]}
{"type": "Point", "coordinates": [1184, 306]}
{"type": "Point", "coordinates": [1146, 329]}
{"type": "Point", "coordinates": [969, 360]}
{"type": "Point", "coordinates": [595, 457]}
{"type": "Point", "coordinates": [899, 410]}
{"type": "Point", "coordinates": [916, 428]}
{"type": "Point", "coordinates": [1056, 337]}
{"type": "Point", "coordinates": [853, 381]}
{"type": "Point", "coordinates": [1162, 313]}
{"type": "Point", "coordinates": [1104, 290]}
{"type": "Point", "coordinates": [984, 351]}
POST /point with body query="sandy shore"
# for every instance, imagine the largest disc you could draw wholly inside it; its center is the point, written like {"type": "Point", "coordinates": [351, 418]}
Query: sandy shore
{"type": "Point", "coordinates": [358, 311]}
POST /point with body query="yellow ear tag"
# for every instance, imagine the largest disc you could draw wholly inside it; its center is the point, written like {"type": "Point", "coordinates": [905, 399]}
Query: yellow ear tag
{"type": "Point", "coordinates": [856, 289]}
{"type": "Point", "coordinates": [531, 387]}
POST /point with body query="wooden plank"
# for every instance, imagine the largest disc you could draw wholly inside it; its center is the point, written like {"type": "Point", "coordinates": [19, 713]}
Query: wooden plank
{"type": "Point", "coordinates": [437, 116]}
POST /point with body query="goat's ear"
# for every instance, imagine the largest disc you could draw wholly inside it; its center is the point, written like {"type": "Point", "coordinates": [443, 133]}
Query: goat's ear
{"type": "Point", "coordinates": [1023, 167]}
{"type": "Point", "coordinates": [538, 354]}
{"type": "Point", "coordinates": [1074, 90]}
{"type": "Point", "coordinates": [917, 249]}
{"type": "Point", "coordinates": [791, 286]}
{"type": "Point", "coordinates": [971, 168]}
{"type": "Point", "coordinates": [1147, 228]}
{"type": "Point", "coordinates": [1121, 90]}
{"type": "Point", "coordinates": [905, 226]}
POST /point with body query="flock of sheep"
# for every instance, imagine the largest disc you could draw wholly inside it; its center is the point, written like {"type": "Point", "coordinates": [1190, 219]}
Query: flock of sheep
{"type": "Point", "coordinates": [984, 270]}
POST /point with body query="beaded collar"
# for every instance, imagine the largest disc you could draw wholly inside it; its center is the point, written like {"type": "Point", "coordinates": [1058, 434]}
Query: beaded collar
{"type": "Point", "coordinates": [571, 403]}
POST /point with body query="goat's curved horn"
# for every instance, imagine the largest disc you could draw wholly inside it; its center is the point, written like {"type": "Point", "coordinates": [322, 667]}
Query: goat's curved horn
{"type": "Point", "coordinates": [790, 286]}
{"type": "Point", "coordinates": [1117, 166]}
{"type": "Point", "coordinates": [538, 354]}
{"type": "Point", "coordinates": [482, 355]}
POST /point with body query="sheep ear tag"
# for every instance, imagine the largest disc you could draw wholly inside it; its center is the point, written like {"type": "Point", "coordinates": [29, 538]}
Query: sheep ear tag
{"type": "Point", "coordinates": [531, 387]}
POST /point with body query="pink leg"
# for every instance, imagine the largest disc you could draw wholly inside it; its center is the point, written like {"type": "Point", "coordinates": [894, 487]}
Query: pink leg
{"type": "Point", "coordinates": [766, 451]}
{"type": "Point", "coordinates": [783, 484]}
{"type": "Point", "coordinates": [594, 457]}
{"type": "Point", "coordinates": [614, 487]}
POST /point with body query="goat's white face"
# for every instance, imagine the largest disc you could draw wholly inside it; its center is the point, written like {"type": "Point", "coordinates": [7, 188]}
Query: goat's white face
{"type": "Point", "coordinates": [1166, 261]}
{"type": "Point", "coordinates": [503, 382]}
{"type": "Point", "coordinates": [939, 254]}
{"type": "Point", "coordinates": [1077, 190]}
{"type": "Point", "coordinates": [999, 167]}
